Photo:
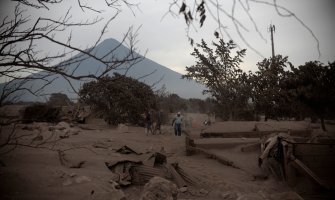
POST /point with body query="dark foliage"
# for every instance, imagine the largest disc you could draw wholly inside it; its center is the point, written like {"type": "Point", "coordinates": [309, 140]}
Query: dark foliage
{"type": "Point", "coordinates": [59, 99]}
{"type": "Point", "coordinates": [220, 72]}
{"type": "Point", "coordinates": [118, 99]}
{"type": "Point", "coordinates": [312, 86]}
{"type": "Point", "coordinates": [268, 93]}
{"type": "Point", "coordinates": [41, 113]}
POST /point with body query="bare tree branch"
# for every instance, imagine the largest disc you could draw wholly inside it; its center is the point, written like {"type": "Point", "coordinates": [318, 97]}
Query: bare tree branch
{"type": "Point", "coordinates": [187, 8]}
{"type": "Point", "coordinates": [20, 56]}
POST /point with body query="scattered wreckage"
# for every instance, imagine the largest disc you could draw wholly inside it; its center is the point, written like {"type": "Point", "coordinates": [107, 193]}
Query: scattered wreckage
{"type": "Point", "coordinates": [137, 168]}
{"type": "Point", "coordinates": [291, 155]}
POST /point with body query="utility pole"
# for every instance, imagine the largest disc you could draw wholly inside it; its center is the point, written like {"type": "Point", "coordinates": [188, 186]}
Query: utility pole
{"type": "Point", "coordinates": [272, 29]}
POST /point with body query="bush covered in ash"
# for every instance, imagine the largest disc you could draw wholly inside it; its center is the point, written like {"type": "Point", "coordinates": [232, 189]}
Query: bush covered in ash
{"type": "Point", "coordinates": [41, 113]}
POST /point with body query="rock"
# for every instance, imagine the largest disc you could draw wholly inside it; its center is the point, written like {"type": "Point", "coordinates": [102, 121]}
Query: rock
{"type": "Point", "coordinates": [159, 189]}
{"type": "Point", "coordinates": [73, 175]}
{"type": "Point", "coordinates": [182, 189]}
{"type": "Point", "coordinates": [38, 138]}
{"type": "Point", "coordinates": [203, 191]}
{"type": "Point", "coordinates": [67, 182]}
{"type": "Point", "coordinates": [82, 179]}
{"type": "Point", "coordinates": [61, 126]}
{"type": "Point", "coordinates": [78, 164]}
{"type": "Point", "coordinates": [64, 136]}
{"type": "Point", "coordinates": [229, 195]}
{"type": "Point", "coordinates": [75, 132]}
{"type": "Point", "coordinates": [115, 184]}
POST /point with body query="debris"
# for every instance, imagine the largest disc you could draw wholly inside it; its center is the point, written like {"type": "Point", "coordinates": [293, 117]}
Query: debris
{"type": "Point", "coordinates": [62, 126]}
{"type": "Point", "coordinates": [176, 176]}
{"type": "Point", "coordinates": [67, 182]}
{"type": "Point", "coordinates": [65, 162]}
{"type": "Point", "coordinates": [28, 128]}
{"type": "Point", "coordinates": [203, 191]}
{"type": "Point", "coordinates": [189, 143]}
{"type": "Point", "coordinates": [182, 189]}
{"type": "Point", "coordinates": [159, 189]}
{"type": "Point", "coordinates": [272, 147]}
{"type": "Point", "coordinates": [229, 195]}
{"type": "Point", "coordinates": [142, 174]}
{"type": "Point", "coordinates": [64, 136]}
{"type": "Point", "coordinates": [38, 138]}
{"type": "Point", "coordinates": [112, 164]}
{"type": "Point", "coordinates": [101, 145]}
{"type": "Point", "coordinates": [189, 179]}
{"type": "Point", "coordinates": [127, 150]}
{"type": "Point", "coordinates": [115, 184]}
{"type": "Point", "coordinates": [75, 132]}
{"type": "Point", "coordinates": [122, 169]}
{"type": "Point", "coordinates": [78, 165]}
{"type": "Point", "coordinates": [82, 179]}
{"type": "Point", "coordinates": [155, 159]}
{"type": "Point", "coordinates": [211, 155]}
{"type": "Point", "coordinates": [260, 177]}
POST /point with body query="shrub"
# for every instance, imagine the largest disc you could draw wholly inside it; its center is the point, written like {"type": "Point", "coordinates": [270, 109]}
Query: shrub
{"type": "Point", "coordinates": [41, 113]}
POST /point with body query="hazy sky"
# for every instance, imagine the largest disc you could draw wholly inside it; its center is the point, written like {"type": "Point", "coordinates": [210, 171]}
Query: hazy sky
{"type": "Point", "coordinates": [166, 41]}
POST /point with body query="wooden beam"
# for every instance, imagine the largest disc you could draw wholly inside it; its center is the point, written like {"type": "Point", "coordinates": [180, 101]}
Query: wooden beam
{"type": "Point", "coordinates": [301, 167]}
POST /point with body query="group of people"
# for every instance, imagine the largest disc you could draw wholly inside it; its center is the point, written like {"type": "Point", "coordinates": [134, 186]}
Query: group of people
{"type": "Point", "coordinates": [154, 122]}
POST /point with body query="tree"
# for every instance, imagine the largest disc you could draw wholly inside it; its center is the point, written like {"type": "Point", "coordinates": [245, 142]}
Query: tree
{"type": "Point", "coordinates": [268, 95]}
{"type": "Point", "coordinates": [313, 86]}
{"type": "Point", "coordinates": [118, 99]}
{"type": "Point", "coordinates": [220, 72]}
{"type": "Point", "coordinates": [59, 99]}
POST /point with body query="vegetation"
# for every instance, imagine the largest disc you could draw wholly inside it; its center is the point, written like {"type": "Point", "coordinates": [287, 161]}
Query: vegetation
{"type": "Point", "coordinates": [118, 99]}
{"type": "Point", "coordinates": [59, 99]}
{"type": "Point", "coordinates": [276, 90]}
{"type": "Point", "coordinates": [41, 113]}
{"type": "Point", "coordinates": [220, 72]}
{"type": "Point", "coordinates": [267, 94]}
{"type": "Point", "coordinates": [312, 87]}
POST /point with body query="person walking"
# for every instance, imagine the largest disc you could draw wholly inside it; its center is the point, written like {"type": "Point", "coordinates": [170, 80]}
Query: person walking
{"type": "Point", "coordinates": [148, 122]}
{"type": "Point", "coordinates": [159, 121]}
{"type": "Point", "coordinates": [176, 123]}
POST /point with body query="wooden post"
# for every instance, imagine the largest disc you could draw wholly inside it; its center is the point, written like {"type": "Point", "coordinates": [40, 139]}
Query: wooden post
{"type": "Point", "coordinates": [290, 172]}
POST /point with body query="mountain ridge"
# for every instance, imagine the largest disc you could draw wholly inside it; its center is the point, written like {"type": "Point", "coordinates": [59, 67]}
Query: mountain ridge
{"type": "Point", "coordinates": [162, 75]}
